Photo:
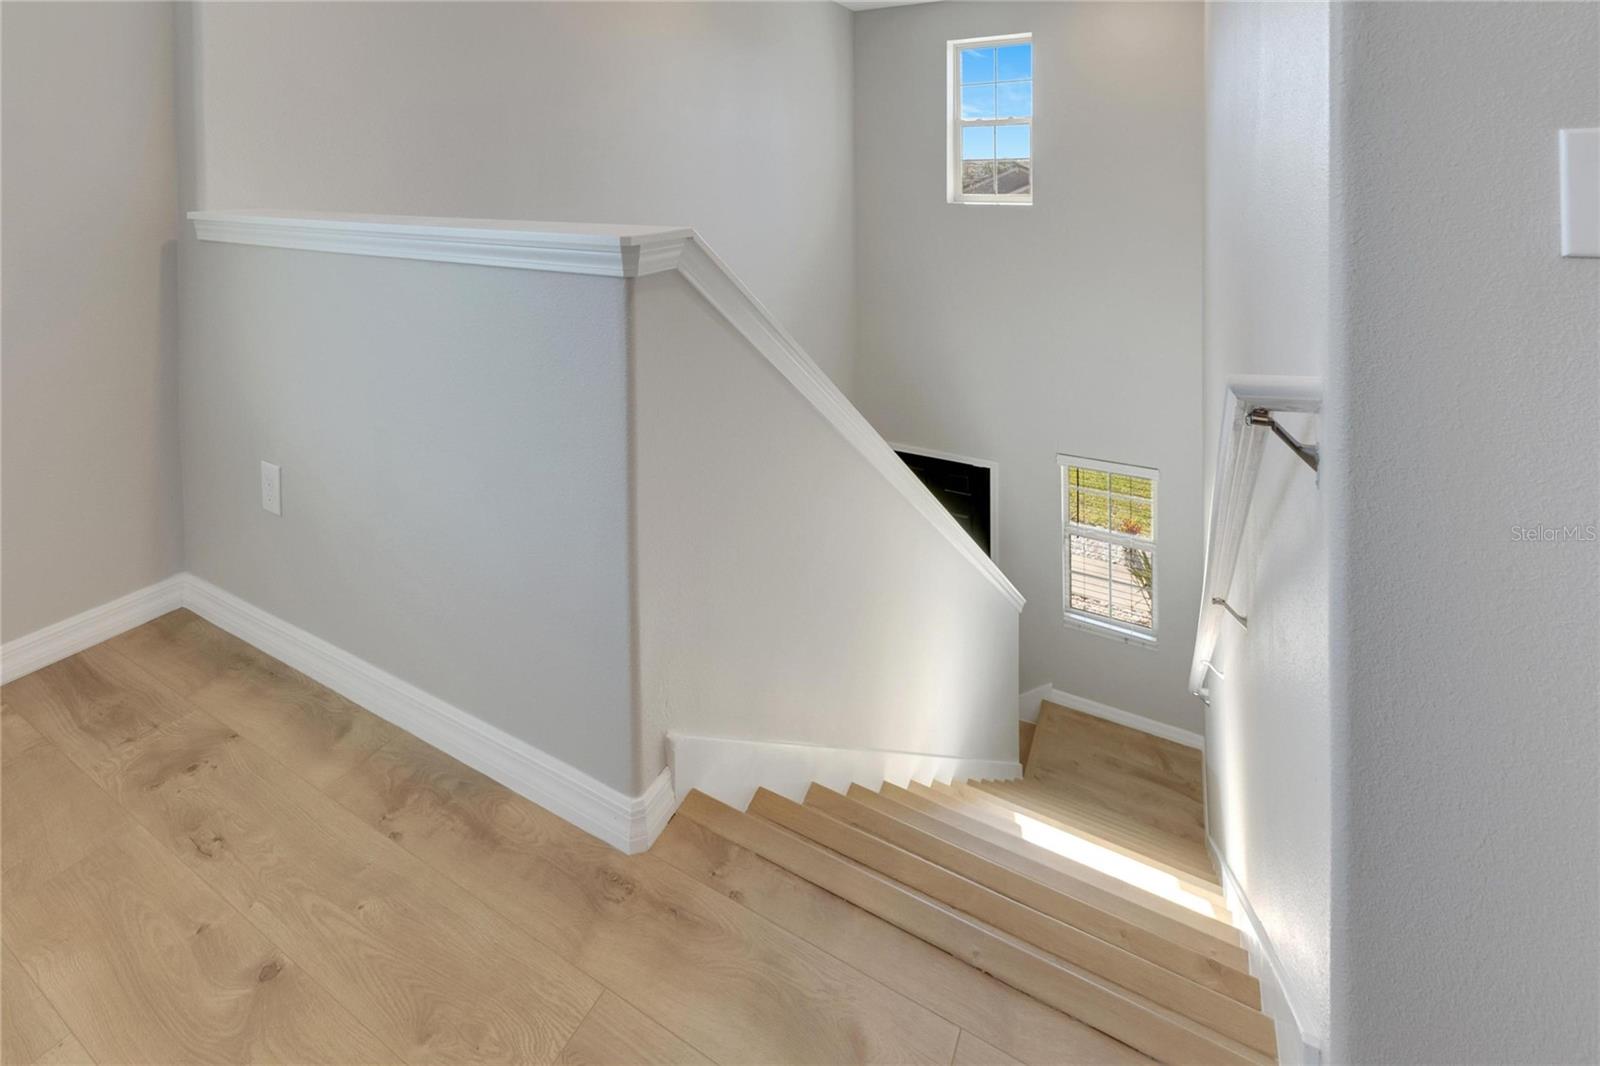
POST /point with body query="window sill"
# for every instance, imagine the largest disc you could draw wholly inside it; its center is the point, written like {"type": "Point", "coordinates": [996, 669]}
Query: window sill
{"type": "Point", "coordinates": [1135, 638]}
{"type": "Point", "coordinates": [991, 203]}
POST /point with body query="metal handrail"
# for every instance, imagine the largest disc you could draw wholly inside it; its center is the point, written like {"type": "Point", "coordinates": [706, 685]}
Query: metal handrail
{"type": "Point", "coordinates": [1250, 403]}
{"type": "Point", "coordinates": [1262, 416]}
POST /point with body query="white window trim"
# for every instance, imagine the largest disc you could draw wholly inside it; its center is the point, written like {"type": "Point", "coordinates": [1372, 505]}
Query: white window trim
{"type": "Point", "coordinates": [1095, 623]}
{"type": "Point", "coordinates": [955, 124]}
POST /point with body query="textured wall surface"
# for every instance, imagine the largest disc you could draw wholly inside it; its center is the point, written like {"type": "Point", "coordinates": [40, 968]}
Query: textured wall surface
{"type": "Point", "coordinates": [453, 442]}
{"type": "Point", "coordinates": [1266, 312]}
{"type": "Point", "coordinates": [87, 426]}
{"type": "Point", "coordinates": [1466, 796]}
{"type": "Point", "coordinates": [1071, 326]}
{"type": "Point", "coordinates": [731, 118]}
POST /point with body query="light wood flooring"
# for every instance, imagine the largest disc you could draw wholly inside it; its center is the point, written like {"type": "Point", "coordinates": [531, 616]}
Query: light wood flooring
{"type": "Point", "coordinates": [207, 857]}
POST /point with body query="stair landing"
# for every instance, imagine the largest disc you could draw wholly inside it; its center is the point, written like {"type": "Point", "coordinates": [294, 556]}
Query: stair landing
{"type": "Point", "coordinates": [1132, 791]}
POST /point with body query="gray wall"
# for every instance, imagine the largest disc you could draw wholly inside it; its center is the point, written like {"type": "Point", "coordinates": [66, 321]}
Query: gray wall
{"type": "Point", "coordinates": [731, 118]}
{"type": "Point", "coordinates": [1465, 782]}
{"type": "Point", "coordinates": [1016, 333]}
{"type": "Point", "coordinates": [87, 426]}
{"type": "Point", "coordinates": [453, 441]}
{"type": "Point", "coordinates": [786, 592]}
{"type": "Point", "coordinates": [1266, 312]}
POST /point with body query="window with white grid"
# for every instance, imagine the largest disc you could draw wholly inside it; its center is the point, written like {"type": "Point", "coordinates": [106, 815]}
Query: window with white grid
{"type": "Point", "coordinates": [1108, 545]}
{"type": "Point", "coordinates": [991, 120]}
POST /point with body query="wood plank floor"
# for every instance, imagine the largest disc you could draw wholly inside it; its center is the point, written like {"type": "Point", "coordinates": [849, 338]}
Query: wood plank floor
{"type": "Point", "coordinates": [207, 857]}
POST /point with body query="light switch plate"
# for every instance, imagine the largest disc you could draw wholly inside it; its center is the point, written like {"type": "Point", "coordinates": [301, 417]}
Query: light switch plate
{"type": "Point", "coordinates": [1580, 193]}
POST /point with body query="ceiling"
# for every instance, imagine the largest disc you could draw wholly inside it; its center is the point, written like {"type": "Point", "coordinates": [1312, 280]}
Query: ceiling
{"type": "Point", "coordinates": [868, 5]}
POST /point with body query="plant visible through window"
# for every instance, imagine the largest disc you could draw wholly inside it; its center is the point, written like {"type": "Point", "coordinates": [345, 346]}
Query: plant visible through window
{"type": "Point", "coordinates": [1109, 544]}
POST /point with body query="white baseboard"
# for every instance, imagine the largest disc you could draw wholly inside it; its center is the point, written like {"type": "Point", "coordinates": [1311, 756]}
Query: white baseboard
{"type": "Point", "coordinates": [628, 823]}
{"type": "Point", "coordinates": [1028, 702]}
{"type": "Point", "coordinates": [1296, 1047]}
{"type": "Point", "coordinates": [1028, 711]}
{"type": "Point", "coordinates": [730, 770]}
{"type": "Point", "coordinates": [37, 650]}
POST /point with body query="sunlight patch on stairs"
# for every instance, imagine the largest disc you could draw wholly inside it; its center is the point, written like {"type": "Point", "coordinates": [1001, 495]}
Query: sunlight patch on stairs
{"type": "Point", "coordinates": [1112, 864]}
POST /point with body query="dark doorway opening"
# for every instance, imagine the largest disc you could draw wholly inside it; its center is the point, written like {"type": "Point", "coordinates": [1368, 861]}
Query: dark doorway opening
{"type": "Point", "coordinates": [963, 488]}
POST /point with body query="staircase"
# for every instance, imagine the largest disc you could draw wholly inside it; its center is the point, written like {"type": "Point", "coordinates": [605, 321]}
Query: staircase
{"type": "Point", "coordinates": [1085, 885]}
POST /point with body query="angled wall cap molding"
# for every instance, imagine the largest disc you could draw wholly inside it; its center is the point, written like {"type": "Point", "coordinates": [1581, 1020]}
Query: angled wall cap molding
{"type": "Point", "coordinates": [566, 247]}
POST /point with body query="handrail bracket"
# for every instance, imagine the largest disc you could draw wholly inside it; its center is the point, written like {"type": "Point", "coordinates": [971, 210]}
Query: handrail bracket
{"type": "Point", "coordinates": [1261, 416]}
{"type": "Point", "coordinates": [1244, 623]}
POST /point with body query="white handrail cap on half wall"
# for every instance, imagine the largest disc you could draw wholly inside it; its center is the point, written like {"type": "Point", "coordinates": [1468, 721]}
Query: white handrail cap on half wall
{"type": "Point", "coordinates": [605, 250]}
{"type": "Point", "coordinates": [566, 247]}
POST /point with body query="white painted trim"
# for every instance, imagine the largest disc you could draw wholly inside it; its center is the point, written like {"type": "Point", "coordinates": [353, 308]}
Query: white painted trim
{"type": "Point", "coordinates": [34, 651]}
{"type": "Point", "coordinates": [629, 823]}
{"type": "Point", "coordinates": [934, 453]}
{"type": "Point", "coordinates": [1028, 702]}
{"type": "Point", "coordinates": [569, 248]}
{"type": "Point", "coordinates": [1028, 709]}
{"type": "Point", "coordinates": [731, 770]}
{"type": "Point", "coordinates": [1296, 1046]}
{"type": "Point", "coordinates": [712, 279]}
{"type": "Point", "coordinates": [618, 251]}
{"type": "Point", "coordinates": [1238, 462]}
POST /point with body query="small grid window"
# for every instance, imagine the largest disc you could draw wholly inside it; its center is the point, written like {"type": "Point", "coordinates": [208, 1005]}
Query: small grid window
{"type": "Point", "coordinates": [991, 120]}
{"type": "Point", "coordinates": [1108, 550]}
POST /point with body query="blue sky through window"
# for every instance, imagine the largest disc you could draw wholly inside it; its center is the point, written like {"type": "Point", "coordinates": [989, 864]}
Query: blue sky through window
{"type": "Point", "coordinates": [1015, 99]}
{"type": "Point", "coordinates": [1013, 142]}
{"type": "Point", "coordinates": [977, 64]}
{"type": "Point", "coordinates": [1016, 61]}
{"type": "Point", "coordinates": [997, 84]}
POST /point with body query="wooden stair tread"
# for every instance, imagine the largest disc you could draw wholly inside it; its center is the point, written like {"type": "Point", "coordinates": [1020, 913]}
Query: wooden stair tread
{"type": "Point", "coordinates": [1189, 865]}
{"type": "Point", "coordinates": [1144, 804]}
{"type": "Point", "coordinates": [1062, 731]}
{"type": "Point", "coordinates": [969, 862]}
{"type": "Point", "coordinates": [1192, 867]}
{"type": "Point", "coordinates": [1184, 853]}
{"type": "Point", "coordinates": [1101, 771]}
{"type": "Point", "coordinates": [1212, 1009]}
{"type": "Point", "coordinates": [1007, 835]}
{"type": "Point", "coordinates": [1000, 812]}
{"type": "Point", "coordinates": [1114, 904]}
{"type": "Point", "coordinates": [1150, 1027]}
{"type": "Point", "coordinates": [981, 1004]}
{"type": "Point", "coordinates": [1097, 813]}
